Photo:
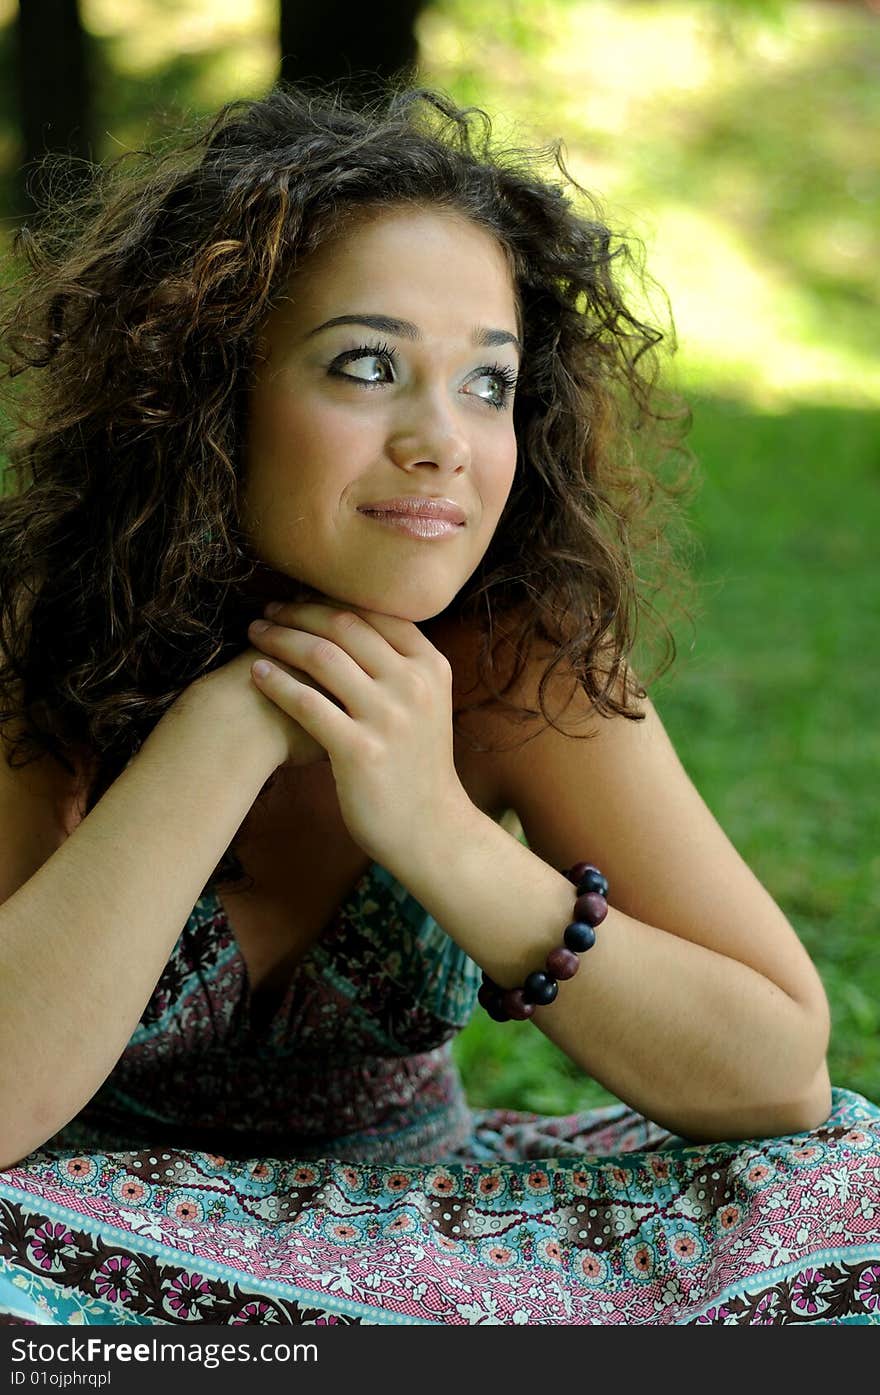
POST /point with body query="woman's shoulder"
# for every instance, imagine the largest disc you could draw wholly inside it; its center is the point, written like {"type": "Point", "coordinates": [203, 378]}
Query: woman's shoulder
{"type": "Point", "coordinates": [40, 805]}
{"type": "Point", "coordinates": [53, 790]}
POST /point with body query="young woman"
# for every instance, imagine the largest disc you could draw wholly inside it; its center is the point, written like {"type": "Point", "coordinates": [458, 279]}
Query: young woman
{"type": "Point", "coordinates": [362, 366]}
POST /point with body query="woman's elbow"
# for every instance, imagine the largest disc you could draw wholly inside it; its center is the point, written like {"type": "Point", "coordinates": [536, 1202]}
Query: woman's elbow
{"type": "Point", "coordinates": [806, 1102]}
{"type": "Point", "coordinates": [814, 1107]}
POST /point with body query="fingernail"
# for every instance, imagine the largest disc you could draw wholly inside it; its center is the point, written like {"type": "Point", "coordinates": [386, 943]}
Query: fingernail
{"type": "Point", "coordinates": [272, 608]}
{"type": "Point", "coordinates": [258, 626]}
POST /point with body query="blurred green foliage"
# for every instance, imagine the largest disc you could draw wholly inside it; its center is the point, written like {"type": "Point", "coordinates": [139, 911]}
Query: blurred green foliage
{"type": "Point", "coordinates": [738, 142]}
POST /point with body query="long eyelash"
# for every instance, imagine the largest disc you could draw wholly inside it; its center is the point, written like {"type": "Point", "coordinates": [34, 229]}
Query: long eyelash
{"type": "Point", "coordinates": [502, 371]}
{"type": "Point", "coordinates": [376, 350]}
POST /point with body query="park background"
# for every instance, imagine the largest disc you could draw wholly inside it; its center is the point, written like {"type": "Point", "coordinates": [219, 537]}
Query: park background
{"type": "Point", "coordinates": [737, 142]}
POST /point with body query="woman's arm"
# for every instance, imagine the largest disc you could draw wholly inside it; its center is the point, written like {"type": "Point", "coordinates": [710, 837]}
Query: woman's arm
{"type": "Point", "coordinates": [84, 936]}
{"type": "Point", "coordinates": [697, 1005]}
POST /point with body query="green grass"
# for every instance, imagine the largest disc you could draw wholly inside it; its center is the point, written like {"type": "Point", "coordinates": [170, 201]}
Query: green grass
{"type": "Point", "coordinates": [772, 707]}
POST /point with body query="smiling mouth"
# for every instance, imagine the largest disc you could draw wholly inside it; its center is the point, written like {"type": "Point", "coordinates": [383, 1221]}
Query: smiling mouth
{"type": "Point", "coordinates": [414, 525]}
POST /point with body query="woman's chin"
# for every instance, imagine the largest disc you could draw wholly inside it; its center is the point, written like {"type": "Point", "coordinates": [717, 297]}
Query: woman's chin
{"type": "Point", "coordinates": [417, 615]}
{"type": "Point", "coordinates": [268, 584]}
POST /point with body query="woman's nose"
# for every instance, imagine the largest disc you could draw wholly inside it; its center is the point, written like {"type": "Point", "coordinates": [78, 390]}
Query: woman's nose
{"type": "Point", "coordinates": [429, 434]}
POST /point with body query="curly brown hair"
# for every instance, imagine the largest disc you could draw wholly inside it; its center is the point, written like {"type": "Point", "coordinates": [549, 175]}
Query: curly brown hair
{"type": "Point", "coordinates": [133, 326]}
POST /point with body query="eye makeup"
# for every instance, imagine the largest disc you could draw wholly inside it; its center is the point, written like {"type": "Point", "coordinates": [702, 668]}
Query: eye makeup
{"type": "Point", "coordinates": [506, 375]}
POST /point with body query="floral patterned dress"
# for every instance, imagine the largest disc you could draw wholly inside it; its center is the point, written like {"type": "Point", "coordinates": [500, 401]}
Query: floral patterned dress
{"type": "Point", "coordinates": [323, 1166]}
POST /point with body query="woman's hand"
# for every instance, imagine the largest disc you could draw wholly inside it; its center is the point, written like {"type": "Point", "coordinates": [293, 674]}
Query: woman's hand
{"type": "Point", "coordinates": [232, 696]}
{"type": "Point", "coordinates": [389, 739]}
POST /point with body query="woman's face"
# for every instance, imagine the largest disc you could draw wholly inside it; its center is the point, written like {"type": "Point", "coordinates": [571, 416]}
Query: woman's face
{"type": "Point", "coordinates": [344, 415]}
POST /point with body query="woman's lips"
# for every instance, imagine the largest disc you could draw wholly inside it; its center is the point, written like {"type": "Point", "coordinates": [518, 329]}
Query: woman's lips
{"type": "Point", "coordinates": [414, 525]}
{"type": "Point", "coordinates": [423, 505]}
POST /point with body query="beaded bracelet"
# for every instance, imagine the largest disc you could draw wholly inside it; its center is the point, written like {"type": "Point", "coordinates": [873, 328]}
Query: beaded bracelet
{"type": "Point", "coordinates": [541, 987]}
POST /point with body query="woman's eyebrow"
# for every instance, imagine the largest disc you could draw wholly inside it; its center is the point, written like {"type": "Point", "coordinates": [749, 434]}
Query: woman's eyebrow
{"type": "Point", "coordinates": [488, 338]}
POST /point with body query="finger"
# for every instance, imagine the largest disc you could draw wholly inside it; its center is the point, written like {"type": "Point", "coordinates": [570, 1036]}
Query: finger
{"type": "Point", "coordinates": [318, 715]}
{"type": "Point", "coordinates": [402, 635]}
{"type": "Point", "coordinates": [322, 659]}
{"type": "Point", "coordinates": [350, 632]}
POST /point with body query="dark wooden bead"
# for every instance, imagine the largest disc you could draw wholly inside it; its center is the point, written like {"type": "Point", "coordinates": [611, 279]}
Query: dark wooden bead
{"type": "Point", "coordinates": [579, 937]}
{"type": "Point", "coordinates": [540, 988]}
{"type": "Point", "coordinates": [579, 870]}
{"type": "Point", "coordinates": [489, 996]}
{"type": "Point", "coordinates": [591, 908]}
{"type": "Point", "coordinates": [592, 880]}
{"type": "Point", "coordinates": [497, 1011]}
{"type": "Point", "coordinates": [562, 963]}
{"type": "Point", "coordinates": [514, 1004]}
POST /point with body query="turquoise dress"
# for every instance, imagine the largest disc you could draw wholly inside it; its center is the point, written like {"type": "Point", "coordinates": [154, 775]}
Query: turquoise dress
{"type": "Point", "coordinates": [322, 1165]}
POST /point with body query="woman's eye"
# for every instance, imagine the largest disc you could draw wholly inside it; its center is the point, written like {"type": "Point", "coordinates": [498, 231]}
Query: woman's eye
{"type": "Point", "coordinates": [374, 376]}
{"type": "Point", "coordinates": [378, 354]}
{"type": "Point", "coordinates": [505, 382]}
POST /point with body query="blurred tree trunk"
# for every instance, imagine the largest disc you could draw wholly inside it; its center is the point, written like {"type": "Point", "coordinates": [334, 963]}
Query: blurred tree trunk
{"type": "Point", "coordinates": [365, 44]}
{"type": "Point", "coordinates": [53, 88]}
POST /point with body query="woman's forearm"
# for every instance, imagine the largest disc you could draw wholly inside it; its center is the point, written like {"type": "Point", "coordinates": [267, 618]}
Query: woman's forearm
{"type": "Point", "coordinates": [701, 1043]}
{"type": "Point", "coordinates": [84, 941]}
